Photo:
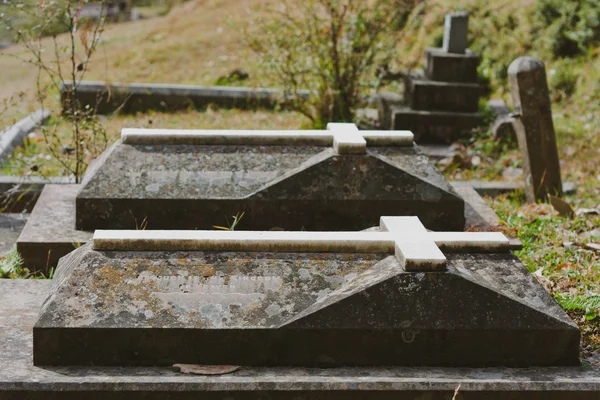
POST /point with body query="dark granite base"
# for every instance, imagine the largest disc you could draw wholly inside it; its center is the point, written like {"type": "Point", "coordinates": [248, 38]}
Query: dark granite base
{"type": "Point", "coordinates": [435, 127]}
{"type": "Point", "coordinates": [20, 301]}
{"type": "Point", "coordinates": [450, 67]}
{"type": "Point", "coordinates": [50, 231]}
{"type": "Point", "coordinates": [431, 95]}
{"type": "Point", "coordinates": [292, 215]}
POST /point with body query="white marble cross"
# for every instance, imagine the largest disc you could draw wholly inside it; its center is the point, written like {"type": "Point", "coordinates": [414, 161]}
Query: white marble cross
{"type": "Point", "coordinates": [345, 138]}
{"type": "Point", "coordinates": [415, 247]}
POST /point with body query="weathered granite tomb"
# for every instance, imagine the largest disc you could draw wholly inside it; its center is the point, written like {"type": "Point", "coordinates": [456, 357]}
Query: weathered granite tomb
{"type": "Point", "coordinates": [396, 295]}
{"type": "Point", "coordinates": [339, 179]}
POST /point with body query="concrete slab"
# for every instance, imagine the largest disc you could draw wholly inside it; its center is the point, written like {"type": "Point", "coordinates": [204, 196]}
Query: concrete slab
{"type": "Point", "coordinates": [477, 213]}
{"type": "Point", "coordinates": [20, 302]}
{"type": "Point", "coordinates": [50, 231]}
{"type": "Point", "coordinates": [15, 135]}
{"type": "Point", "coordinates": [136, 97]}
{"type": "Point", "coordinates": [11, 226]}
{"type": "Point", "coordinates": [18, 194]}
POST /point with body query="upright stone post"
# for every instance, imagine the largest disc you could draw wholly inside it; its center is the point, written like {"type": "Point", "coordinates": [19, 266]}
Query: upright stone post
{"type": "Point", "coordinates": [456, 30]}
{"type": "Point", "coordinates": [534, 128]}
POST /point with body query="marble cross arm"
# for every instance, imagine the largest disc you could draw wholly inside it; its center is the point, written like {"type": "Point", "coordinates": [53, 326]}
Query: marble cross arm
{"type": "Point", "coordinates": [345, 138]}
{"type": "Point", "coordinates": [415, 247]}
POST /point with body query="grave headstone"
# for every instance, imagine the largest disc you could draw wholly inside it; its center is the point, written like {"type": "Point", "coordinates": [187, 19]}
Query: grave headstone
{"type": "Point", "coordinates": [441, 105]}
{"type": "Point", "coordinates": [395, 295]}
{"type": "Point", "coordinates": [534, 128]}
{"type": "Point", "coordinates": [338, 179]}
{"type": "Point", "coordinates": [456, 29]}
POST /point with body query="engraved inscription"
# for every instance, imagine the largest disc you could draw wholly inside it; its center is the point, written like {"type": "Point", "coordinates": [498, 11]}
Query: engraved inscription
{"type": "Point", "coordinates": [216, 294]}
{"type": "Point", "coordinates": [237, 284]}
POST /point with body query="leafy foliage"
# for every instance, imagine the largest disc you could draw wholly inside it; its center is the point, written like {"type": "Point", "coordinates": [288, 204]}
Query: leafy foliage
{"type": "Point", "coordinates": [589, 304]}
{"type": "Point", "coordinates": [570, 27]}
{"type": "Point", "coordinates": [11, 266]}
{"type": "Point", "coordinates": [329, 47]}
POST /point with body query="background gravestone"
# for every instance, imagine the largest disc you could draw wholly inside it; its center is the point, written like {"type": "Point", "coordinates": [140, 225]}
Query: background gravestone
{"type": "Point", "coordinates": [534, 128]}
{"type": "Point", "coordinates": [456, 30]}
{"type": "Point", "coordinates": [441, 105]}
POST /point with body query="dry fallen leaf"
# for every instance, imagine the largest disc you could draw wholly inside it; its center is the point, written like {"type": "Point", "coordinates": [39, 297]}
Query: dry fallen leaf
{"type": "Point", "coordinates": [196, 369]}
{"type": "Point", "coordinates": [587, 211]}
{"type": "Point", "coordinates": [592, 246]}
{"type": "Point", "coordinates": [563, 208]}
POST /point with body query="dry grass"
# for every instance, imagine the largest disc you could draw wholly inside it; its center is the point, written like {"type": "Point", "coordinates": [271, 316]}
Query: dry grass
{"type": "Point", "coordinates": [195, 43]}
{"type": "Point", "coordinates": [34, 155]}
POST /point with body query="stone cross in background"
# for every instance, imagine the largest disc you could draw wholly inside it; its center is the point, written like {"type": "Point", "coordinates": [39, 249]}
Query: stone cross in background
{"type": "Point", "coordinates": [456, 29]}
{"type": "Point", "coordinates": [534, 128]}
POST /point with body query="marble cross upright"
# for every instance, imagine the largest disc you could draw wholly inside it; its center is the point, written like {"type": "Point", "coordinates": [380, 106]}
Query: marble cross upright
{"type": "Point", "coordinates": [416, 248]}
{"type": "Point", "coordinates": [345, 138]}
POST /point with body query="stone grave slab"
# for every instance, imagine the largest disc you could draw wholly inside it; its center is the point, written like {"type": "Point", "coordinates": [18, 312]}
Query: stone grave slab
{"type": "Point", "coordinates": [21, 300]}
{"type": "Point", "coordinates": [11, 225]}
{"type": "Point", "coordinates": [398, 295]}
{"type": "Point", "coordinates": [339, 179]}
{"type": "Point", "coordinates": [50, 230]}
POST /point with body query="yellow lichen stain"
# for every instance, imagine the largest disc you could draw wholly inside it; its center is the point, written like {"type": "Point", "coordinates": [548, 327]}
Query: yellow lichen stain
{"type": "Point", "coordinates": [208, 271]}
{"type": "Point", "coordinates": [181, 260]}
{"type": "Point", "coordinates": [110, 274]}
{"type": "Point", "coordinates": [363, 166]}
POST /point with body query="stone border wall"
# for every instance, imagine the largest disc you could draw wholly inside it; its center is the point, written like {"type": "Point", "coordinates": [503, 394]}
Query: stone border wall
{"type": "Point", "coordinates": [15, 135]}
{"type": "Point", "coordinates": [140, 97]}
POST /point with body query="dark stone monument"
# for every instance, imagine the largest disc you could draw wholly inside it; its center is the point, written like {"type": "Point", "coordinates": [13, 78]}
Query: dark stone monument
{"type": "Point", "coordinates": [534, 128]}
{"type": "Point", "coordinates": [340, 179]}
{"type": "Point", "coordinates": [442, 105]}
{"type": "Point", "coordinates": [396, 295]}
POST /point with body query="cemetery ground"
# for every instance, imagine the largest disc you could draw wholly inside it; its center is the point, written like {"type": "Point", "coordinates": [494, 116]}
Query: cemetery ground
{"type": "Point", "coordinates": [200, 41]}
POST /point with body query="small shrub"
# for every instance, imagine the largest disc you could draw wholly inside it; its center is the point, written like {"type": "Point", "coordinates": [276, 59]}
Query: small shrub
{"type": "Point", "coordinates": [62, 59]}
{"type": "Point", "coordinates": [562, 80]}
{"type": "Point", "coordinates": [331, 48]}
{"type": "Point", "coordinates": [11, 266]}
{"type": "Point", "coordinates": [569, 27]}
